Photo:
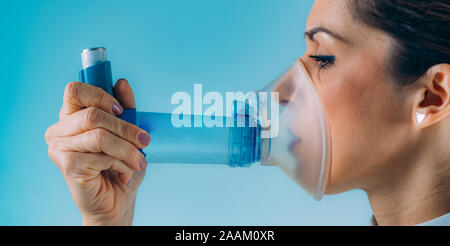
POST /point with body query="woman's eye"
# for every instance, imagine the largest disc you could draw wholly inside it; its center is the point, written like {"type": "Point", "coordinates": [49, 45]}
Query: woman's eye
{"type": "Point", "coordinates": [324, 61]}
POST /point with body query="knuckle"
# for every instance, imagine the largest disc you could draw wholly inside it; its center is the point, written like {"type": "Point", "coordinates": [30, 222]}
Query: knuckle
{"type": "Point", "coordinates": [48, 135]}
{"type": "Point", "coordinates": [93, 116]}
{"type": "Point", "coordinates": [130, 155]}
{"type": "Point", "coordinates": [126, 130]}
{"type": "Point", "coordinates": [99, 136]}
{"type": "Point", "coordinates": [102, 96]}
{"type": "Point", "coordinates": [51, 154]}
{"type": "Point", "coordinates": [67, 163]}
{"type": "Point", "coordinates": [54, 150]}
{"type": "Point", "coordinates": [72, 90]}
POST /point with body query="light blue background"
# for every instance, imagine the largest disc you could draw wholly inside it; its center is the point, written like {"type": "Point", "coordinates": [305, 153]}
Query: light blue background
{"type": "Point", "coordinates": [161, 47]}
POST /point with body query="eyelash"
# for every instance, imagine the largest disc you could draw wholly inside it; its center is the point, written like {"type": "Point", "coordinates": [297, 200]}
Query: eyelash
{"type": "Point", "coordinates": [324, 61]}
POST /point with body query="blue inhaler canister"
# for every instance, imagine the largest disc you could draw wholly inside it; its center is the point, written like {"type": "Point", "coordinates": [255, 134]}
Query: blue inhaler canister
{"type": "Point", "coordinates": [97, 71]}
{"type": "Point", "coordinates": [237, 146]}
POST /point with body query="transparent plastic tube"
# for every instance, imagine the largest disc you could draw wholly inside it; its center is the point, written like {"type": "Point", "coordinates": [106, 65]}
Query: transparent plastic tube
{"type": "Point", "coordinates": [234, 146]}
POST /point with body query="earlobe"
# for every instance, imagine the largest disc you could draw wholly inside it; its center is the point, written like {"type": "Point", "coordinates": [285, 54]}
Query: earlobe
{"type": "Point", "coordinates": [434, 104]}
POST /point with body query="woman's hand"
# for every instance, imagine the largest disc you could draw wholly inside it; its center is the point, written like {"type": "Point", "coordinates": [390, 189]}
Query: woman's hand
{"type": "Point", "coordinates": [98, 153]}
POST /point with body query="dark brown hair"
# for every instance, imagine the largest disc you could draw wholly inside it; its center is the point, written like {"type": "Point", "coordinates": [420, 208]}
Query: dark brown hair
{"type": "Point", "coordinates": [420, 30]}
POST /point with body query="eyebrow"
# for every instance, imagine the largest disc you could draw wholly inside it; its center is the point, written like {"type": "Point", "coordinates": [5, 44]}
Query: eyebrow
{"type": "Point", "coordinates": [310, 34]}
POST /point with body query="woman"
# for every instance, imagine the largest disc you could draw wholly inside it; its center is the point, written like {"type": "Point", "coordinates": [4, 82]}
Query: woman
{"type": "Point", "coordinates": [382, 71]}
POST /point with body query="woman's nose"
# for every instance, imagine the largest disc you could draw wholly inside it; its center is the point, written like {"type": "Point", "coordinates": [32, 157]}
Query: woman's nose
{"type": "Point", "coordinates": [285, 88]}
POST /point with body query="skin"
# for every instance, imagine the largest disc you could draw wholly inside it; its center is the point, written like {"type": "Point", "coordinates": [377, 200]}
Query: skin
{"type": "Point", "coordinates": [376, 143]}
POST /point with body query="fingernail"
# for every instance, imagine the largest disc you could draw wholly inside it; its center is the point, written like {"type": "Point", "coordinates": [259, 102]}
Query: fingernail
{"type": "Point", "coordinates": [143, 163]}
{"type": "Point", "coordinates": [116, 108]}
{"type": "Point", "coordinates": [122, 81]}
{"type": "Point", "coordinates": [144, 138]}
{"type": "Point", "coordinates": [129, 181]}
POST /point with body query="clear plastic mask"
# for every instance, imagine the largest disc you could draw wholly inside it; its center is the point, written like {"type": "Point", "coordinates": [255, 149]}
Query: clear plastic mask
{"type": "Point", "coordinates": [302, 146]}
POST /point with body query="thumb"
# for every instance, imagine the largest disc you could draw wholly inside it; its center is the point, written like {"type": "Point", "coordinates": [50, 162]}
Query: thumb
{"type": "Point", "coordinates": [124, 94]}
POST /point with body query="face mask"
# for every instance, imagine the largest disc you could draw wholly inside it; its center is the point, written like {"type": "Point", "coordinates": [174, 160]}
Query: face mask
{"type": "Point", "coordinates": [302, 147]}
{"type": "Point", "coordinates": [282, 125]}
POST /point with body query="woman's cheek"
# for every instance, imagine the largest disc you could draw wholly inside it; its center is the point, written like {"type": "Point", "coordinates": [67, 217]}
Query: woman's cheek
{"type": "Point", "coordinates": [340, 101]}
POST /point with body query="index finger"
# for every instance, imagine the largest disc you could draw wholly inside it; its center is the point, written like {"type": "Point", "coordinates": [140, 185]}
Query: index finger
{"type": "Point", "coordinates": [92, 118]}
{"type": "Point", "coordinates": [78, 96]}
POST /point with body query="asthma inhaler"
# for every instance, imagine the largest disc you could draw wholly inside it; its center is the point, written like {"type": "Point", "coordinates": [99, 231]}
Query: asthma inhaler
{"type": "Point", "coordinates": [233, 146]}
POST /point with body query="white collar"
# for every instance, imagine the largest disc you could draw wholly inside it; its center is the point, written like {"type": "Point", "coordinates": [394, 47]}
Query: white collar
{"type": "Point", "coordinates": [443, 220]}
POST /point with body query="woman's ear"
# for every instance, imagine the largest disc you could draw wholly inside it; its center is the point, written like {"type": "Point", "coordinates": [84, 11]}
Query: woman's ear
{"type": "Point", "coordinates": [433, 104]}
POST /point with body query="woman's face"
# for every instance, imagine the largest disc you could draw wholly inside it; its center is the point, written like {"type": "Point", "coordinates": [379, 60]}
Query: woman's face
{"type": "Point", "coordinates": [370, 118]}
